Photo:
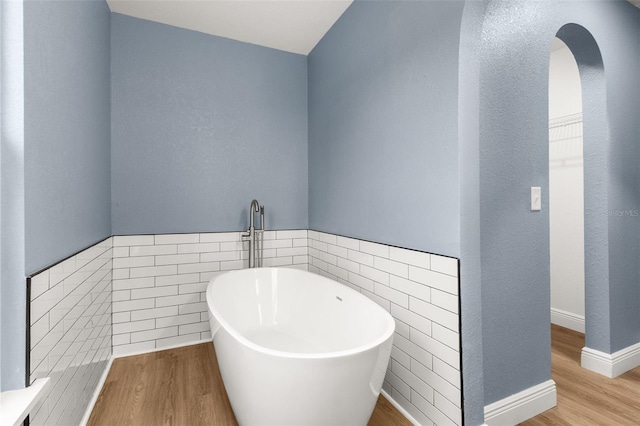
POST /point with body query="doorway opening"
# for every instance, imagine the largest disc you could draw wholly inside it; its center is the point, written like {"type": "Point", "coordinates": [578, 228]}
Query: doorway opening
{"type": "Point", "coordinates": [566, 190]}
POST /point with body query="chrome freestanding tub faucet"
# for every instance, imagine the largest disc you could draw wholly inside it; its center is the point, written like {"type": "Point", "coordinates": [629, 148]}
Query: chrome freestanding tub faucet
{"type": "Point", "coordinates": [253, 233]}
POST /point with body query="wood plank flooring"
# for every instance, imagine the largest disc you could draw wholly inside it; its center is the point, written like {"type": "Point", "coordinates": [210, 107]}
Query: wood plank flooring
{"type": "Point", "coordinates": [181, 386]}
{"type": "Point", "coordinates": [586, 398]}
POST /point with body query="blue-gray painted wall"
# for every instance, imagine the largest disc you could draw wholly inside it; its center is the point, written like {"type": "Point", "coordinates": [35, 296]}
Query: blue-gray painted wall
{"type": "Point", "coordinates": [12, 289]}
{"type": "Point", "coordinates": [201, 125]}
{"type": "Point", "coordinates": [470, 244]}
{"type": "Point", "coordinates": [383, 156]}
{"type": "Point", "coordinates": [67, 128]}
{"type": "Point", "coordinates": [62, 161]}
{"type": "Point", "coordinates": [513, 156]}
{"type": "Point", "coordinates": [359, 188]}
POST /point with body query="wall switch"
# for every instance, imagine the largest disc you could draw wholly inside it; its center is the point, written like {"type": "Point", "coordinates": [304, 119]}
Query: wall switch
{"type": "Point", "coordinates": [536, 199]}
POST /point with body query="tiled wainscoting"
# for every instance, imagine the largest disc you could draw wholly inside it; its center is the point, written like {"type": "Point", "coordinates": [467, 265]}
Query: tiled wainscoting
{"type": "Point", "coordinates": [420, 290]}
{"type": "Point", "coordinates": [70, 333]}
{"type": "Point", "coordinates": [134, 294]}
{"type": "Point", "coordinates": [159, 282]}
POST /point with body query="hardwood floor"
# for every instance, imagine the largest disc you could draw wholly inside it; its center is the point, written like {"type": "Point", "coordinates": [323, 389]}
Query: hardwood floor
{"type": "Point", "coordinates": [175, 387]}
{"type": "Point", "coordinates": [586, 398]}
{"type": "Point", "coordinates": [181, 387]}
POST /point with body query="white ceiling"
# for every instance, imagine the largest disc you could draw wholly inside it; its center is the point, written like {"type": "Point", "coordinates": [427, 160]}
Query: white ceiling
{"type": "Point", "coordinates": [291, 25]}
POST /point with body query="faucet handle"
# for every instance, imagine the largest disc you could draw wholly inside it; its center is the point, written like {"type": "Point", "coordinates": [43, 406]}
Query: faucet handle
{"type": "Point", "coordinates": [262, 218]}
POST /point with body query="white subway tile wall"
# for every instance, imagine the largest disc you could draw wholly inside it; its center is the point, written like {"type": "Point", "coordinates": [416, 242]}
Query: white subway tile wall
{"type": "Point", "coordinates": [420, 290]}
{"type": "Point", "coordinates": [159, 282]}
{"type": "Point", "coordinates": [132, 294]}
{"type": "Point", "coordinates": [70, 329]}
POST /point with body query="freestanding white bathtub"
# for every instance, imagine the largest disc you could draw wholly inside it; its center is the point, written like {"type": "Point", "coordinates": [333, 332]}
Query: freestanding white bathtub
{"type": "Point", "coordinates": [295, 348]}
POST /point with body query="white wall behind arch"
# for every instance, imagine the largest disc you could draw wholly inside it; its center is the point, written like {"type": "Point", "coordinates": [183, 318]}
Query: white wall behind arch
{"type": "Point", "coordinates": [566, 190]}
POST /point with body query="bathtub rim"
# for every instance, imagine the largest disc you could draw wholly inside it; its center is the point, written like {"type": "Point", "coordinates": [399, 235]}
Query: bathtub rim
{"type": "Point", "coordinates": [375, 343]}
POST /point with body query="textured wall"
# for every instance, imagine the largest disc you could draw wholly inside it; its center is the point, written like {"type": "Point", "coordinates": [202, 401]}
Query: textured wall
{"type": "Point", "coordinates": [514, 254]}
{"type": "Point", "coordinates": [201, 125]}
{"type": "Point", "coordinates": [66, 101]}
{"type": "Point", "coordinates": [383, 163]}
{"type": "Point", "coordinates": [470, 245]}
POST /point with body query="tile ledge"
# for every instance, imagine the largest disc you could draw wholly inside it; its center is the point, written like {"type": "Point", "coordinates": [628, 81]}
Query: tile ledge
{"type": "Point", "coordinates": [15, 405]}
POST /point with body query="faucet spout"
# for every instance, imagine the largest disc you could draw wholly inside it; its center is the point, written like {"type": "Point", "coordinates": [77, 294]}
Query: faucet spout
{"type": "Point", "coordinates": [253, 208]}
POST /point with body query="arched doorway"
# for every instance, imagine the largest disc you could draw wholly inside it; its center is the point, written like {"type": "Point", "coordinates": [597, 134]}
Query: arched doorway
{"type": "Point", "coordinates": [566, 190]}
{"type": "Point", "coordinates": [595, 148]}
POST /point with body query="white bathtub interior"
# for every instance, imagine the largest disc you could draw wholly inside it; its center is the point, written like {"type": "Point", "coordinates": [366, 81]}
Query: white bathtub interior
{"type": "Point", "coordinates": [298, 315]}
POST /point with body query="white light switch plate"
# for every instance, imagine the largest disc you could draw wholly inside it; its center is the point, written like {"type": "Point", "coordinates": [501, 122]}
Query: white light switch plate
{"type": "Point", "coordinates": [536, 199]}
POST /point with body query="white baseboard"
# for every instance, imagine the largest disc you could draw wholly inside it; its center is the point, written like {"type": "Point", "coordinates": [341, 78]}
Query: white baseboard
{"type": "Point", "coordinates": [611, 365]}
{"type": "Point", "coordinates": [521, 406]}
{"type": "Point", "coordinates": [400, 408]}
{"type": "Point", "coordinates": [96, 393]}
{"type": "Point", "coordinates": [567, 319]}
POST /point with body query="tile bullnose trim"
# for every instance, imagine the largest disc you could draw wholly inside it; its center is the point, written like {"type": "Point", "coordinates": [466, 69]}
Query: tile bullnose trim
{"type": "Point", "coordinates": [45, 268]}
{"type": "Point", "coordinates": [521, 406]}
{"type": "Point", "coordinates": [611, 365]}
{"type": "Point", "coordinates": [346, 237]}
